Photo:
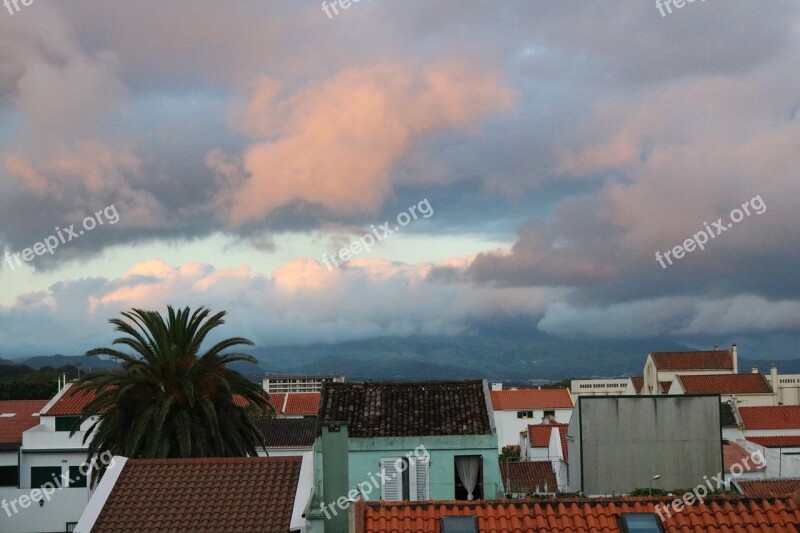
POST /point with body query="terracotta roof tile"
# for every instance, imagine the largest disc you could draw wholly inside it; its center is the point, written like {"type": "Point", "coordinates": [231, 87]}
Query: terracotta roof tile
{"type": "Point", "coordinates": [698, 360]}
{"type": "Point", "coordinates": [288, 432]}
{"type": "Point", "coordinates": [407, 409]}
{"type": "Point", "coordinates": [734, 454]}
{"type": "Point", "coordinates": [783, 441]}
{"type": "Point", "coordinates": [718, 515]}
{"type": "Point", "coordinates": [17, 416]}
{"type": "Point", "coordinates": [530, 477]}
{"type": "Point", "coordinates": [725, 384]}
{"type": "Point", "coordinates": [539, 436]}
{"type": "Point", "coordinates": [769, 487]}
{"type": "Point", "coordinates": [638, 383]}
{"type": "Point", "coordinates": [531, 399]}
{"type": "Point", "coordinates": [771, 417]}
{"type": "Point", "coordinates": [71, 402]}
{"type": "Point", "coordinates": [202, 495]}
{"type": "Point", "coordinates": [302, 404]}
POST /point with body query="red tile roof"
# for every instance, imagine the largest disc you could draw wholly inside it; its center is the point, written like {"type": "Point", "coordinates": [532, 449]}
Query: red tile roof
{"type": "Point", "coordinates": [23, 411]}
{"type": "Point", "coordinates": [298, 404]}
{"type": "Point", "coordinates": [664, 386]}
{"type": "Point", "coordinates": [71, 402]}
{"type": "Point", "coordinates": [717, 515]}
{"type": "Point", "coordinates": [638, 383]}
{"type": "Point", "coordinates": [529, 477]}
{"type": "Point", "coordinates": [531, 399]}
{"type": "Point", "coordinates": [725, 384]}
{"type": "Point", "coordinates": [221, 495]}
{"type": "Point", "coordinates": [700, 360]}
{"type": "Point", "coordinates": [771, 417]}
{"type": "Point", "coordinates": [539, 436]}
{"type": "Point", "coordinates": [769, 487]}
{"type": "Point", "coordinates": [733, 454]}
{"type": "Point", "coordinates": [784, 441]}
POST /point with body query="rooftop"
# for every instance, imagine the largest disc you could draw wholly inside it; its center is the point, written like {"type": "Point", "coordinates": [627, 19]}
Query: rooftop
{"type": "Point", "coordinates": [71, 402]}
{"type": "Point", "coordinates": [288, 432]}
{"type": "Point", "coordinates": [221, 495]}
{"type": "Point", "coordinates": [529, 477]}
{"type": "Point", "coordinates": [17, 416]}
{"type": "Point", "coordinates": [783, 441]}
{"type": "Point", "coordinates": [539, 436]}
{"type": "Point", "coordinates": [717, 515]}
{"type": "Point", "coordinates": [638, 383]}
{"type": "Point", "coordinates": [295, 403]}
{"type": "Point", "coordinates": [697, 360]}
{"type": "Point", "coordinates": [725, 384]}
{"type": "Point", "coordinates": [531, 399]}
{"type": "Point", "coordinates": [407, 409]}
{"type": "Point", "coordinates": [733, 454]}
{"type": "Point", "coordinates": [769, 487]}
{"type": "Point", "coordinates": [772, 417]}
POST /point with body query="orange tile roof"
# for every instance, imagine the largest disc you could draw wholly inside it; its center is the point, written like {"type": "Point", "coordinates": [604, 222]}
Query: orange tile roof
{"type": "Point", "coordinates": [297, 404]}
{"type": "Point", "coordinates": [531, 399]}
{"type": "Point", "coordinates": [733, 454]}
{"type": "Point", "coordinates": [71, 402]}
{"type": "Point", "coordinates": [539, 435]}
{"type": "Point", "coordinates": [220, 494]}
{"type": "Point", "coordinates": [771, 417]}
{"type": "Point", "coordinates": [638, 383]}
{"type": "Point", "coordinates": [769, 487]}
{"type": "Point", "coordinates": [529, 477]}
{"type": "Point", "coordinates": [784, 441]}
{"type": "Point", "coordinates": [22, 418]}
{"type": "Point", "coordinates": [717, 515]}
{"type": "Point", "coordinates": [698, 360]}
{"type": "Point", "coordinates": [725, 384]}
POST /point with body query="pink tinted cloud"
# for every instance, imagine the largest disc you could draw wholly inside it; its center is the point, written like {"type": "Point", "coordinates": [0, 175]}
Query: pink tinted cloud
{"type": "Point", "coordinates": [334, 143]}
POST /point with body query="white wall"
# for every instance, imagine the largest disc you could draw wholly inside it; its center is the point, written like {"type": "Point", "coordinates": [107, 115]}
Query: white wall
{"type": "Point", "coordinates": [9, 458]}
{"type": "Point", "coordinates": [509, 426]}
{"type": "Point", "coordinates": [62, 459]}
{"type": "Point", "coordinates": [64, 505]}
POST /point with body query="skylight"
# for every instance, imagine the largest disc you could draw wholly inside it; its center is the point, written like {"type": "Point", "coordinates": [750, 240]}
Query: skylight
{"type": "Point", "coordinates": [459, 524]}
{"type": "Point", "coordinates": [7, 415]}
{"type": "Point", "coordinates": [640, 523]}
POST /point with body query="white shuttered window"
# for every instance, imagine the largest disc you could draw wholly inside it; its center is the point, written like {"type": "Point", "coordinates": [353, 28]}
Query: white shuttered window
{"type": "Point", "coordinates": [392, 487]}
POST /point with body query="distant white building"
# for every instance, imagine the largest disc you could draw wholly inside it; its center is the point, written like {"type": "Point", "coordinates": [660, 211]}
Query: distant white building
{"type": "Point", "coordinates": [661, 368]}
{"type": "Point", "coordinates": [515, 409]}
{"type": "Point", "coordinates": [278, 383]}
{"type": "Point", "coordinates": [601, 387]}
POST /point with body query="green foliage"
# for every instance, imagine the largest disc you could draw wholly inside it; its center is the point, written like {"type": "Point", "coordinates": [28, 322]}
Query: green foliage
{"type": "Point", "coordinates": [169, 399]}
{"type": "Point", "coordinates": [509, 453]}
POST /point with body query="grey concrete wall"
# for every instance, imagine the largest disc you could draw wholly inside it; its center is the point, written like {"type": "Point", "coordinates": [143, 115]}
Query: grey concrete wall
{"type": "Point", "coordinates": [624, 441]}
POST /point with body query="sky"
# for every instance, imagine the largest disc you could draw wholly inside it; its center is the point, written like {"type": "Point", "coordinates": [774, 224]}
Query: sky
{"type": "Point", "coordinates": [581, 169]}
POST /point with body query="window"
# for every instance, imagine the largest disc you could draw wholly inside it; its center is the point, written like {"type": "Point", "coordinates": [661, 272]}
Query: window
{"type": "Point", "coordinates": [66, 423]}
{"type": "Point", "coordinates": [524, 414]}
{"type": "Point", "coordinates": [405, 478]}
{"type": "Point", "coordinates": [468, 473]}
{"type": "Point", "coordinates": [9, 476]}
{"type": "Point", "coordinates": [459, 524]}
{"type": "Point", "coordinates": [551, 414]}
{"type": "Point", "coordinates": [76, 478]}
{"type": "Point", "coordinates": [40, 475]}
{"type": "Point", "coordinates": [640, 523]}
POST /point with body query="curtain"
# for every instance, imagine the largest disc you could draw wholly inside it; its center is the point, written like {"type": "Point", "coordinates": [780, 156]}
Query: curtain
{"type": "Point", "coordinates": [468, 467]}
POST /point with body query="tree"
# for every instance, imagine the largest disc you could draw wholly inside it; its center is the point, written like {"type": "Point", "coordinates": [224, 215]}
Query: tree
{"type": "Point", "coordinates": [169, 399]}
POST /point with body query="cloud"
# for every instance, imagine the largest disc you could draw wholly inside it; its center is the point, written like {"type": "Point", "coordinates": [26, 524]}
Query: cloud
{"type": "Point", "coordinates": [334, 143]}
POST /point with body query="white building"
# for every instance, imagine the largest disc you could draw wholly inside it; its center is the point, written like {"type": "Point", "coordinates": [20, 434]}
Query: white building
{"type": "Point", "coordinates": [515, 409]}
{"type": "Point", "coordinates": [601, 387]}
{"type": "Point", "coordinates": [663, 367]}
{"type": "Point", "coordinates": [547, 442]}
{"type": "Point", "coordinates": [747, 389]}
{"type": "Point", "coordinates": [297, 382]}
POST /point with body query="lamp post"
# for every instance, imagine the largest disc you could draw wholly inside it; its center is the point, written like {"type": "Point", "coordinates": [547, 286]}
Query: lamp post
{"type": "Point", "coordinates": [657, 476]}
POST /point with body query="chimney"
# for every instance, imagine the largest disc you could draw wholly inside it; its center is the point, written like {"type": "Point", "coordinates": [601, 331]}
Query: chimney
{"type": "Point", "coordinates": [773, 372]}
{"type": "Point", "coordinates": [755, 369]}
{"type": "Point", "coordinates": [497, 386]}
{"type": "Point", "coordinates": [735, 358]}
{"type": "Point", "coordinates": [716, 348]}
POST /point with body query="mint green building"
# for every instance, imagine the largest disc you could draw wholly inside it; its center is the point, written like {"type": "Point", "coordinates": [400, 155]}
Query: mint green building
{"type": "Point", "coordinates": [402, 442]}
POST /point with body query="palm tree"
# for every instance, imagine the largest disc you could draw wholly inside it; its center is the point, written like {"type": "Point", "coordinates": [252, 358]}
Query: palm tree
{"type": "Point", "coordinates": [168, 399]}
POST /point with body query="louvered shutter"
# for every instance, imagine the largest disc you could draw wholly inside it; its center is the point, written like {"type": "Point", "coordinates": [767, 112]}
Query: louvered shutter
{"type": "Point", "coordinates": [392, 488]}
{"type": "Point", "coordinates": [419, 478]}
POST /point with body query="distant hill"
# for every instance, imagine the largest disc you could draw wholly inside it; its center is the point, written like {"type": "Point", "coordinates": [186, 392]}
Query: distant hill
{"type": "Point", "coordinates": [85, 363]}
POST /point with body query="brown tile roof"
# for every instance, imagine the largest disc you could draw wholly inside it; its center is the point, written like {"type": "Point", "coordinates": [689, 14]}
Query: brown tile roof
{"type": "Point", "coordinates": [769, 487]}
{"type": "Point", "coordinates": [717, 515]}
{"type": "Point", "coordinates": [17, 416]}
{"type": "Point", "coordinates": [664, 386]}
{"type": "Point", "coordinates": [71, 402]}
{"type": "Point", "coordinates": [733, 454]}
{"type": "Point", "coordinates": [725, 384]}
{"type": "Point", "coordinates": [771, 417]}
{"type": "Point", "coordinates": [288, 432]}
{"type": "Point", "coordinates": [638, 383]}
{"type": "Point", "coordinates": [783, 441]}
{"type": "Point", "coordinates": [220, 495]}
{"type": "Point", "coordinates": [700, 360]}
{"type": "Point", "coordinates": [539, 436]}
{"type": "Point", "coordinates": [529, 477]}
{"type": "Point", "coordinates": [531, 399]}
{"type": "Point", "coordinates": [407, 409]}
